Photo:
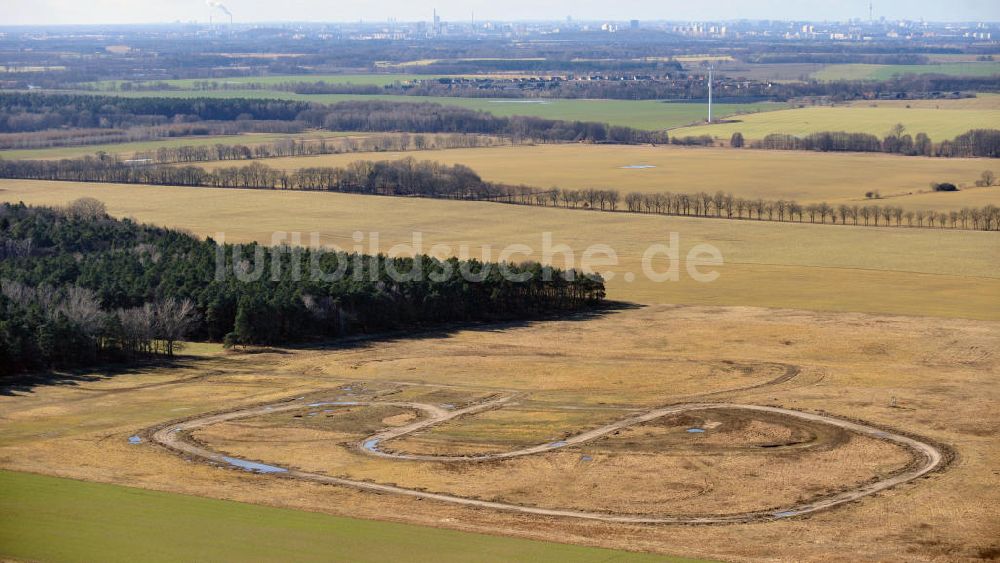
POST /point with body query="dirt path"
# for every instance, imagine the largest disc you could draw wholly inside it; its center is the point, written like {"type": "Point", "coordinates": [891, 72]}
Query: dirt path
{"type": "Point", "coordinates": [173, 436]}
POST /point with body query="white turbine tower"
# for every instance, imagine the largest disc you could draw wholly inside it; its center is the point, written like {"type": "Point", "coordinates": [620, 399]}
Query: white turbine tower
{"type": "Point", "coordinates": [710, 69]}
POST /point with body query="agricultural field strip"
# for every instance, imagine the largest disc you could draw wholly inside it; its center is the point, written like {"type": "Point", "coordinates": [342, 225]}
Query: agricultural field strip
{"type": "Point", "coordinates": [861, 71]}
{"type": "Point", "coordinates": [132, 148]}
{"type": "Point", "coordinates": [172, 436]}
{"type": "Point", "coordinates": [808, 177]}
{"type": "Point", "coordinates": [939, 124]}
{"type": "Point", "coordinates": [965, 265]}
{"type": "Point", "coordinates": [640, 114]}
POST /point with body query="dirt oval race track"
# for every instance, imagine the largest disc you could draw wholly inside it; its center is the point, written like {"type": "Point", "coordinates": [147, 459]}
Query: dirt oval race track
{"type": "Point", "coordinates": [174, 436]}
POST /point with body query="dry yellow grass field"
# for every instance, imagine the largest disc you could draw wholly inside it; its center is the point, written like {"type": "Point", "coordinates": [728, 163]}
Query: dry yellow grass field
{"type": "Point", "coordinates": [982, 101]}
{"type": "Point", "coordinates": [942, 121]}
{"type": "Point", "coordinates": [807, 177]}
{"type": "Point", "coordinates": [934, 378]}
{"type": "Point", "coordinates": [886, 270]}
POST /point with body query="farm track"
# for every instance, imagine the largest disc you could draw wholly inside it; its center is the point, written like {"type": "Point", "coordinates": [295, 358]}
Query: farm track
{"type": "Point", "coordinates": [927, 457]}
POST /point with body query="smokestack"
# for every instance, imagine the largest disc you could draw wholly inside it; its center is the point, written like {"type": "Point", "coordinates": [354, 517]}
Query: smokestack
{"type": "Point", "coordinates": [221, 7]}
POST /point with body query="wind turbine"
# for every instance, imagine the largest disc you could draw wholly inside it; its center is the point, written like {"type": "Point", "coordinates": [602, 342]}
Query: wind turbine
{"type": "Point", "coordinates": [710, 70]}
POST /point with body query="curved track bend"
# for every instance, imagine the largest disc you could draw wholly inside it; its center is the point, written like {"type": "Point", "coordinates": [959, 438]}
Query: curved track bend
{"type": "Point", "coordinates": [173, 436]}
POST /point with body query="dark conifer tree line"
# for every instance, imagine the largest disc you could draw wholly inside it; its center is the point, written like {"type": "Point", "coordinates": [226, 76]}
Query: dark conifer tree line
{"type": "Point", "coordinates": [38, 112]}
{"type": "Point", "coordinates": [675, 85]}
{"type": "Point", "coordinates": [34, 112]}
{"type": "Point", "coordinates": [79, 288]}
{"type": "Point", "coordinates": [974, 143]}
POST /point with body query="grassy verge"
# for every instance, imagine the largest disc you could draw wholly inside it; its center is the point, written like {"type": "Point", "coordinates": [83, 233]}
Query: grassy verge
{"type": "Point", "coordinates": [53, 519]}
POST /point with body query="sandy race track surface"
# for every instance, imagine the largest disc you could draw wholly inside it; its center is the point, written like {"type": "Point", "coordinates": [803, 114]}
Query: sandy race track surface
{"type": "Point", "coordinates": [171, 436]}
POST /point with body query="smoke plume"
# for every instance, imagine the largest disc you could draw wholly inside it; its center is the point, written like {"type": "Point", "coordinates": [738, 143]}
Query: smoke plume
{"type": "Point", "coordinates": [220, 6]}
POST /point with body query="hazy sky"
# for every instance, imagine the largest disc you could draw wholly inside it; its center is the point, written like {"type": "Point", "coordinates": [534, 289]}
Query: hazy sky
{"type": "Point", "coordinates": [145, 11]}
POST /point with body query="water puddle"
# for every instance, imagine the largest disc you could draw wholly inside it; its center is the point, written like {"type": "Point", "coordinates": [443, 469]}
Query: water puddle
{"type": "Point", "coordinates": [586, 458]}
{"type": "Point", "coordinates": [448, 406]}
{"type": "Point", "coordinates": [253, 465]}
{"type": "Point", "coordinates": [370, 445]}
{"type": "Point", "coordinates": [637, 167]}
{"type": "Point", "coordinates": [558, 444]}
{"type": "Point", "coordinates": [696, 430]}
{"type": "Point", "coordinates": [785, 514]}
{"type": "Point", "coordinates": [134, 440]}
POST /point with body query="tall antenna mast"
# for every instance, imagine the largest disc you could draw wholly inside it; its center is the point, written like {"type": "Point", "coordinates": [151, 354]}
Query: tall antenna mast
{"type": "Point", "coordinates": [871, 11]}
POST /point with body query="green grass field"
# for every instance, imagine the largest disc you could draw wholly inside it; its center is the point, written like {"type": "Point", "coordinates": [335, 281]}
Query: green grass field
{"type": "Point", "coordinates": [644, 114]}
{"type": "Point", "coordinates": [885, 72]}
{"type": "Point", "coordinates": [53, 519]}
{"type": "Point", "coordinates": [943, 122]}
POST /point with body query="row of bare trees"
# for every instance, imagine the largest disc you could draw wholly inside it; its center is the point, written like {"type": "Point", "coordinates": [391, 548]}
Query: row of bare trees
{"type": "Point", "coordinates": [727, 206]}
{"type": "Point", "coordinates": [395, 142]}
{"type": "Point", "coordinates": [94, 135]}
{"type": "Point", "coordinates": [409, 177]}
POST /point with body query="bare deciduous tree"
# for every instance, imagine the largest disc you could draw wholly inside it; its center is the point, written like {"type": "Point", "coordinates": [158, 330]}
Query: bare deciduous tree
{"type": "Point", "coordinates": [174, 319]}
{"type": "Point", "coordinates": [87, 208]}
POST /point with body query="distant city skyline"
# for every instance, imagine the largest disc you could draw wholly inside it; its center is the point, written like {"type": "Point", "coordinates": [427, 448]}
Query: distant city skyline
{"type": "Point", "coordinates": [53, 12]}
